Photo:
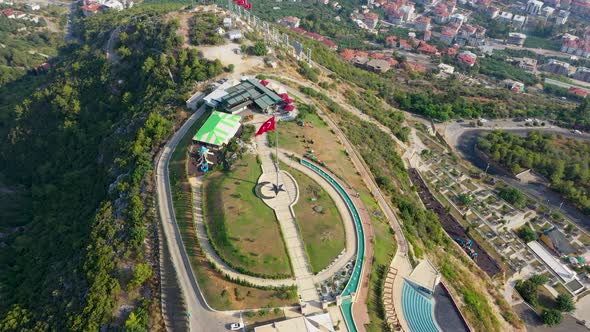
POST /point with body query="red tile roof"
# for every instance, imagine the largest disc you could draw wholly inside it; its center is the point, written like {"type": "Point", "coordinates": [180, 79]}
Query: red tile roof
{"type": "Point", "coordinates": [578, 92]}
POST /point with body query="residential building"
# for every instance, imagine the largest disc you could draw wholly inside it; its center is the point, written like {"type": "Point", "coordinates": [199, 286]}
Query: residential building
{"type": "Point", "coordinates": [427, 35]}
{"type": "Point", "coordinates": [234, 34]}
{"type": "Point", "coordinates": [492, 12]}
{"type": "Point", "coordinates": [19, 14]}
{"type": "Point", "coordinates": [90, 9]}
{"type": "Point", "coordinates": [553, 3]}
{"type": "Point", "coordinates": [516, 38]}
{"type": "Point", "coordinates": [547, 11]}
{"type": "Point", "coordinates": [9, 13]}
{"type": "Point", "coordinates": [289, 21]}
{"type": "Point", "coordinates": [582, 74]}
{"type": "Point", "coordinates": [404, 45]}
{"type": "Point", "coordinates": [425, 48]}
{"type": "Point", "coordinates": [576, 46]}
{"type": "Point", "coordinates": [581, 7]}
{"type": "Point", "coordinates": [114, 4]}
{"type": "Point", "coordinates": [578, 92]}
{"type": "Point", "coordinates": [528, 64]}
{"type": "Point", "coordinates": [371, 20]}
{"type": "Point", "coordinates": [378, 65]}
{"type": "Point", "coordinates": [457, 18]}
{"type": "Point", "coordinates": [449, 32]}
{"type": "Point", "coordinates": [447, 69]}
{"type": "Point", "coordinates": [227, 22]}
{"type": "Point", "coordinates": [514, 86]}
{"type": "Point", "coordinates": [422, 23]}
{"type": "Point", "coordinates": [561, 17]}
{"type": "Point", "coordinates": [467, 58]}
{"type": "Point", "coordinates": [557, 67]}
{"type": "Point", "coordinates": [518, 21]}
{"type": "Point", "coordinates": [33, 6]}
{"type": "Point", "coordinates": [505, 17]}
{"type": "Point", "coordinates": [533, 7]}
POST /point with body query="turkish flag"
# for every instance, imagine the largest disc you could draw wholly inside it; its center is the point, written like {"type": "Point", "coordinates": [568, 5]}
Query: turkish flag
{"type": "Point", "coordinates": [241, 2]}
{"type": "Point", "coordinates": [248, 6]}
{"type": "Point", "coordinates": [268, 125]}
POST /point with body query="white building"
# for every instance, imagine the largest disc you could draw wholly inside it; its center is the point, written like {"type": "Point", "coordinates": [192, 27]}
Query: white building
{"type": "Point", "coordinates": [227, 22]}
{"type": "Point", "coordinates": [505, 17]}
{"type": "Point", "coordinates": [561, 17]}
{"type": "Point", "coordinates": [447, 69]}
{"type": "Point", "coordinates": [516, 38]}
{"type": "Point", "coordinates": [518, 21]}
{"type": "Point", "coordinates": [533, 7]}
{"type": "Point", "coordinates": [547, 11]}
{"type": "Point", "coordinates": [234, 34]}
{"type": "Point", "coordinates": [33, 6]}
{"type": "Point", "coordinates": [114, 4]}
{"type": "Point", "coordinates": [562, 271]}
{"type": "Point", "coordinates": [457, 18]}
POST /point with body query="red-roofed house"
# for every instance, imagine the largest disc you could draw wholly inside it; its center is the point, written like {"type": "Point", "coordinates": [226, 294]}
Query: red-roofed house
{"type": "Point", "coordinates": [467, 58]}
{"type": "Point", "coordinates": [450, 51]}
{"type": "Point", "coordinates": [91, 8]}
{"type": "Point", "coordinates": [8, 13]}
{"type": "Point", "coordinates": [422, 23]}
{"type": "Point", "coordinates": [19, 15]}
{"type": "Point", "coordinates": [578, 92]}
{"type": "Point", "coordinates": [576, 46]}
{"type": "Point", "coordinates": [371, 20]}
{"type": "Point", "coordinates": [448, 34]}
{"type": "Point", "coordinates": [393, 62]}
{"type": "Point", "coordinates": [376, 55]}
{"type": "Point", "coordinates": [408, 66]}
{"type": "Point", "coordinates": [404, 45]}
{"type": "Point", "coordinates": [427, 49]}
{"type": "Point", "coordinates": [347, 54]}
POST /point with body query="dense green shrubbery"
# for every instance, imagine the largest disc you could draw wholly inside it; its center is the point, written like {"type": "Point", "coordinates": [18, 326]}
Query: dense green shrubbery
{"type": "Point", "coordinates": [82, 149]}
{"type": "Point", "coordinates": [563, 162]}
{"type": "Point", "coordinates": [203, 29]}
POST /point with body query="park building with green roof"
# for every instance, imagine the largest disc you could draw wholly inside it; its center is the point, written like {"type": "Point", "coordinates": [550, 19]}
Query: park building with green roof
{"type": "Point", "coordinates": [218, 130]}
{"type": "Point", "coordinates": [247, 93]}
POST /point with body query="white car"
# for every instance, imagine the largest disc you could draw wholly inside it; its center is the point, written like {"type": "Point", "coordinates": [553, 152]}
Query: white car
{"type": "Point", "coordinates": [236, 326]}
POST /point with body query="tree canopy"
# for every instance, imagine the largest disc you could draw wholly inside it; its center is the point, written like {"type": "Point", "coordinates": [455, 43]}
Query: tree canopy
{"type": "Point", "coordinates": [565, 162]}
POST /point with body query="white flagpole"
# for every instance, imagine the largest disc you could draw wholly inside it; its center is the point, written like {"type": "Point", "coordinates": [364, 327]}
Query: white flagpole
{"type": "Point", "coordinates": [277, 150]}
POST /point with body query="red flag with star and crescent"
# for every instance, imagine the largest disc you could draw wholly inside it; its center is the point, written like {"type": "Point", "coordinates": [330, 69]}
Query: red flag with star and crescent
{"type": "Point", "coordinates": [268, 125]}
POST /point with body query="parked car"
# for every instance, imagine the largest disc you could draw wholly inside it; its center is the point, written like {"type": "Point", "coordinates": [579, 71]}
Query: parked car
{"type": "Point", "coordinates": [236, 326]}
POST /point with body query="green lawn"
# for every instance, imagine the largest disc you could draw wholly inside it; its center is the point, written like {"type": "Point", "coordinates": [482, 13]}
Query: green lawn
{"type": "Point", "coordinates": [243, 229]}
{"type": "Point", "coordinates": [544, 43]}
{"type": "Point", "coordinates": [323, 233]}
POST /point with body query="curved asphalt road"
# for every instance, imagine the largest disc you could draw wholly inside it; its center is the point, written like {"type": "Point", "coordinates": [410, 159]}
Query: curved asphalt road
{"type": "Point", "coordinates": [200, 315]}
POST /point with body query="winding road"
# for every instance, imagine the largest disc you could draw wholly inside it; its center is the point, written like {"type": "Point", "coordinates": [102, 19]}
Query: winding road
{"type": "Point", "coordinates": [201, 317]}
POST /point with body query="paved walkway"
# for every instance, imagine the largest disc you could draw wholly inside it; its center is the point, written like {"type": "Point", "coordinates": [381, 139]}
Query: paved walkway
{"type": "Point", "coordinates": [350, 251]}
{"type": "Point", "coordinates": [196, 186]}
{"type": "Point", "coordinates": [402, 267]}
{"type": "Point", "coordinates": [282, 204]}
